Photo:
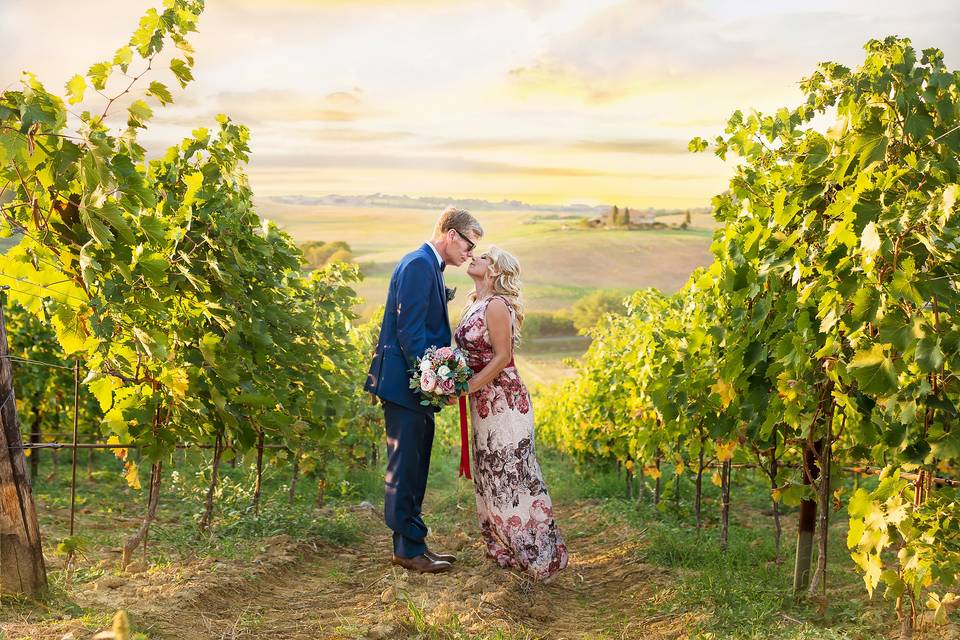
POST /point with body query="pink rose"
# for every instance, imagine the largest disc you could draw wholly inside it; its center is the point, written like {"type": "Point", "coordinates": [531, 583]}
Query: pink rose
{"type": "Point", "coordinates": [447, 386]}
{"type": "Point", "coordinates": [445, 353]}
{"type": "Point", "coordinates": [428, 381]}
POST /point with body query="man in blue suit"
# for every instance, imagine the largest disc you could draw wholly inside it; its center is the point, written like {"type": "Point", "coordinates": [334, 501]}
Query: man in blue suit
{"type": "Point", "coordinates": [414, 320]}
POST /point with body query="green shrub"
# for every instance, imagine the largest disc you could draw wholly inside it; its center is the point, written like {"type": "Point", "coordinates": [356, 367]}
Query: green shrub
{"type": "Point", "coordinates": [588, 310]}
{"type": "Point", "coordinates": [543, 324]}
{"type": "Point", "coordinates": [317, 254]}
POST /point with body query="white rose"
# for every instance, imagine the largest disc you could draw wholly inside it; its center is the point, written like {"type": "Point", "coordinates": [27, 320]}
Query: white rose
{"type": "Point", "coordinates": [425, 365]}
{"type": "Point", "coordinates": [443, 371]}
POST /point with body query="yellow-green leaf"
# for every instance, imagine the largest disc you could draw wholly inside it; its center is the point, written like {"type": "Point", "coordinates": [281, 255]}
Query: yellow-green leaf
{"type": "Point", "coordinates": [139, 112]}
{"type": "Point", "coordinates": [75, 88]}
{"type": "Point", "coordinates": [71, 328]}
{"type": "Point", "coordinates": [870, 239]}
{"type": "Point", "coordinates": [193, 181]}
{"type": "Point", "coordinates": [102, 389]}
{"type": "Point", "coordinates": [123, 57]}
{"type": "Point", "coordinates": [98, 75]}
{"type": "Point", "coordinates": [159, 91]}
{"type": "Point", "coordinates": [854, 533]}
{"type": "Point", "coordinates": [132, 475]}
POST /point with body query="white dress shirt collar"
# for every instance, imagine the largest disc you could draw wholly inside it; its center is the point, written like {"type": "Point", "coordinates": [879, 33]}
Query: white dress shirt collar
{"type": "Point", "coordinates": [436, 253]}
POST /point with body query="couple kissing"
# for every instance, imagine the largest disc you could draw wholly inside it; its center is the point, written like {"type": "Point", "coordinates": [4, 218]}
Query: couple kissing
{"type": "Point", "coordinates": [513, 506]}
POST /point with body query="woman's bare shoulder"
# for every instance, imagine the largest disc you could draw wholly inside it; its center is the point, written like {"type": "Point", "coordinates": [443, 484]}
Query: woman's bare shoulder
{"type": "Point", "coordinates": [498, 305]}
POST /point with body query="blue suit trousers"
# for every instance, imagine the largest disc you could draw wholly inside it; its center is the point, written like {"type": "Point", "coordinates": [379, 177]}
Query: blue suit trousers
{"type": "Point", "coordinates": [409, 443]}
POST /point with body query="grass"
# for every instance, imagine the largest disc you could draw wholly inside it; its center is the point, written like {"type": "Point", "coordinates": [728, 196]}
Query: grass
{"type": "Point", "coordinates": [545, 369]}
{"type": "Point", "coordinates": [108, 511]}
{"type": "Point", "coordinates": [738, 593]}
{"type": "Point", "coordinates": [543, 361]}
{"type": "Point", "coordinates": [741, 592]}
{"type": "Point", "coordinates": [419, 627]}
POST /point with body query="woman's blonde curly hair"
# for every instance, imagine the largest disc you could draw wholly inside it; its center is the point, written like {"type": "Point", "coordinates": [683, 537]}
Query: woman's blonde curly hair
{"type": "Point", "coordinates": [505, 269]}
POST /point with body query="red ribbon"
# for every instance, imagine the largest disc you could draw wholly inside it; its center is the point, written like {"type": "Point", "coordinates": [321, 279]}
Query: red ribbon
{"type": "Point", "coordinates": [464, 441]}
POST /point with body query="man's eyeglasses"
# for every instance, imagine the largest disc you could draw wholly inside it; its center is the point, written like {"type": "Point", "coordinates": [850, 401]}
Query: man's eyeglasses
{"type": "Point", "coordinates": [470, 243]}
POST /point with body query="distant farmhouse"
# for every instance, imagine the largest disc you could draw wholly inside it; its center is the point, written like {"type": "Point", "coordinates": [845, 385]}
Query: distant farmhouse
{"type": "Point", "coordinates": [627, 218]}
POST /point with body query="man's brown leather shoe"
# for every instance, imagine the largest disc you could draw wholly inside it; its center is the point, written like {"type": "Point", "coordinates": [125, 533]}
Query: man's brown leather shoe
{"type": "Point", "coordinates": [421, 564]}
{"type": "Point", "coordinates": [440, 557]}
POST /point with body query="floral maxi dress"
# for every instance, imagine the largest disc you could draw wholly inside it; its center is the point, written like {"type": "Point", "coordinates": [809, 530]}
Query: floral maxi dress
{"type": "Point", "coordinates": [515, 511]}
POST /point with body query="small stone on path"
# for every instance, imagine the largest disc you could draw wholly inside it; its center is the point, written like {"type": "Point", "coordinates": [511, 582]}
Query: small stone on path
{"type": "Point", "coordinates": [110, 582]}
{"type": "Point", "coordinates": [278, 540]}
{"type": "Point", "coordinates": [389, 595]}
{"type": "Point", "coordinates": [495, 598]}
{"type": "Point", "coordinates": [474, 585]}
{"type": "Point", "coordinates": [136, 567]}
{"type": "Point", "coordinates": [380, 631]}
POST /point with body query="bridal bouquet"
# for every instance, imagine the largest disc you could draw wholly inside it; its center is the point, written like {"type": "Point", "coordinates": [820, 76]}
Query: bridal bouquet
{"type": "Point", "coordinates": [440, 373]}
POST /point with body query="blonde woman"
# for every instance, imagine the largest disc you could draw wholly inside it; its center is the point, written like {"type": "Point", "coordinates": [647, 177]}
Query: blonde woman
{"type": "Point", "coordinates": [515, 511]}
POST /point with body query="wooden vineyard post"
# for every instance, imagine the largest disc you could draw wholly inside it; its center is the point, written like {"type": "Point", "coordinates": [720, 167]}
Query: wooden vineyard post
{"type": "Point", "coordinates": [321, 488]}
{"type": "Point", "coordinates": [641, 485]}
{"type": "Point", "coordinates": [21, 556]}
{"type": "Point", "coordinates": [76, 427]}
{"type": "Point", "coordinates": [819, 580]}
{"type": "Point", "coordinates": [698, 491]}
{"type": "Point", "coordinates": [153, 499]}
{"type": "Point", "coordinates": [656, 489]}
{"type": "Point", "coordinates": [725, 472]}
{"type": "Point", "coordinates": [214, 472]}
{"type": "Point", "coordinates": [258, 484]}
{"type": "Point", "coordinates": [777, 527]}
{"type": "Point", "coordinates": [807, 524]}
{"type": "Point", "coordinates": [294, 476]}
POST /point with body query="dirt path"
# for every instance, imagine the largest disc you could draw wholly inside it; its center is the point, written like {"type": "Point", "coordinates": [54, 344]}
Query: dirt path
{"type": "Point", "coordinates": [356, 593]}
{"type": "Point", "coordinates": [295, 590]}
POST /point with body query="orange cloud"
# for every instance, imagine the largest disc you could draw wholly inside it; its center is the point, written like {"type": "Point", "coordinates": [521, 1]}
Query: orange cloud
{"type": "Point", "coordinates": [422, 163]}
{"type": "Point", "coordinates": [290, 106]}
{"type": "Point", "coordinates": [621, 145]}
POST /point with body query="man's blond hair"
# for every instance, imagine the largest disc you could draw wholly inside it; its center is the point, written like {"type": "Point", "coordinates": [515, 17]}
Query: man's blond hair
{"type": "Point", "coordinates": [458, 219]}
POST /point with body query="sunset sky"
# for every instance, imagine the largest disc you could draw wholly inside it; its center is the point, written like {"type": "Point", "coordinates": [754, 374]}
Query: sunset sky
{"type": "Point", "coordinates": [547, 101]}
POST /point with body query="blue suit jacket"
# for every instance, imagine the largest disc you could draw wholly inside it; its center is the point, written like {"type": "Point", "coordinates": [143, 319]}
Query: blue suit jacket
{"type": "Point", "coordinates": [415, 318]}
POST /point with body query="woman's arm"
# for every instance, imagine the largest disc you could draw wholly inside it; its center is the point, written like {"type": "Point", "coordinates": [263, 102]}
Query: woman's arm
{"type": "Point", "coordinates": [500, 328]}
